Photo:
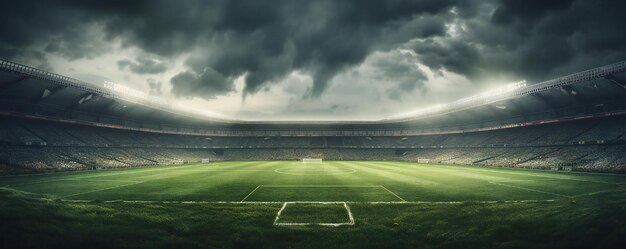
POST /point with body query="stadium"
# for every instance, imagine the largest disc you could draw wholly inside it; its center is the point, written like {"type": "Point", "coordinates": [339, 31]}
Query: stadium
{"type": "Point", "coordinates": [529, 164]}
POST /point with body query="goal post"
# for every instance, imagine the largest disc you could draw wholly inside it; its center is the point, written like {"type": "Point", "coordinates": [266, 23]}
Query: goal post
{"type": "Point", "coordinates": [423, 160]}
{"type": "Point", "coordinates": [311, 160]}
{"type": "Point", "coordinates": [205, 160]}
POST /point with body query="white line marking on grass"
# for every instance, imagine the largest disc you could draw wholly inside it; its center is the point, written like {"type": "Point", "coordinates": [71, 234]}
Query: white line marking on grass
{"type": "Point", "coordinates": [280, 212]}
{"type": "Point", "coordinates": [529, 189]}
{"type": "Point", "coordinates": [528, 180]}
{"type": "Point", "coordinates": [345, 205]}
{"type": "Point", "coordinates": [322, 186]}
{"type": "Point", "coordinates": [97, 190]}
{"type": "Point", "coordinates": [244, 199]}
{"type": "Point", "coordinates": [323, 172]}
{"type": "Point", "coordinates": [69, 179]}
{"type": "Point", "coordinates": [102, 180]}
{"type": "Point", "coordinates": [233, 170]}
{"type": "Point", "coordinates": [36, 182]}
{"type": "Point", "coordinates": [600, 192]}
{"type": "Point", "coordinates": [485, 169]}
{"type": "Point", "coordinates": [394, 194]}
{"type": "Point", "coordinates": [138, 170]}
{"type": "Point", "coordinates": [311, 202]}
{"type": "Point", "coordinates": [349, 213]}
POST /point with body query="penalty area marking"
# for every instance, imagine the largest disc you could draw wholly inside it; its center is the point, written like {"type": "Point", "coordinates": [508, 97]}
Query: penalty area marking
{"type": "Point", "coordinates": [321, 186]}
{"type": "Point", "coordinates": [394, 194]}
{"type": "Point", "coordinates": [315, 172]}
{"type": "Point", "coordinates": [345, 205]}
{"type": "Point", "coordinates": [244, 199]}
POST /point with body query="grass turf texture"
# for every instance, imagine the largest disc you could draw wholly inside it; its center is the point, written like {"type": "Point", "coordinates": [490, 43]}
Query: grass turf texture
{"type": "Point", "coordinates": [234, 204]}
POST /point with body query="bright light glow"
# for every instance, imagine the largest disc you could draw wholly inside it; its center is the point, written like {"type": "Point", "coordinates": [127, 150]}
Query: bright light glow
{"type": "Point", "coordinates": [193, 110]}
{"type": "Point", "coordinates": [424, 111]}
{"type": "Point", "coordinates": [134, 94]}
{"type": "Point", "coordinates": [495, 92]}
{"type": "Point", "coordinates": [484, 97]}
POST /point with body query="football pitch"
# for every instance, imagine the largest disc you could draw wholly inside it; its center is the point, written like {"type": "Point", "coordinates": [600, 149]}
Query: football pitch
{"type": "Point", "coordinates": [342, 200]}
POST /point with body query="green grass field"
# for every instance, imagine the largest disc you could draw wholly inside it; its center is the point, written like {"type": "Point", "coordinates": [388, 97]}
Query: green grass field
{"type": "Point", "coordinates": [279, 204]}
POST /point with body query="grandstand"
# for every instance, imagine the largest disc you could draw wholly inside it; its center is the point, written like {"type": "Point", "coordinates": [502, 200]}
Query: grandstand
{"type": "Point", "coordinates": [43, 145]}
{"type": "Point", "coordinates": [575, 122]}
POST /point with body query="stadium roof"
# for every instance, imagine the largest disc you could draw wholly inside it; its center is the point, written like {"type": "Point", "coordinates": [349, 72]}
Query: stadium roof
{"type": "Point", "coordinates": [28, 91]}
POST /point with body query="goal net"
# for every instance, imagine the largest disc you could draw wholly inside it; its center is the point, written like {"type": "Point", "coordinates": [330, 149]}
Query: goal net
{"type": "Point", "coordinates": [311, 160]}
{"type": "Point", "coordinates": [206, 160]}
{"type": "Point", "coordinates": [423, 160]}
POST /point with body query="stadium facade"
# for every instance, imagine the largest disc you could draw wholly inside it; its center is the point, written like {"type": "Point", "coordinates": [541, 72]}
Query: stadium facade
{"type": "Point", "coordinates": [51, 122]}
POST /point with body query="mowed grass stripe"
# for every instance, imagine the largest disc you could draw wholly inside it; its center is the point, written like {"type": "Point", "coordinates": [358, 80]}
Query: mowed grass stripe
{"type": "Point", "coordinates": [532, 181]}
{"type": "Point", "coordinates": [187, 185]}
{"type": "Point", "coordinates": [452, 187]}
{"type": "Point", "coordinates": [147, 175]}
{"type": "Point", "coordinates": [232, 181]}
{"type": "Point", "coordinates": [539, 181]}
{"type": "Point", "coordinates": [574, 176]}
{"type": "Point", "coordinates": [411, 185]}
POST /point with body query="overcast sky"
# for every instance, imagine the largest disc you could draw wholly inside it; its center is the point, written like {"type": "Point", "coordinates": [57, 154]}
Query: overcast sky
{"type": "Point", "coordinates": [313, 59]}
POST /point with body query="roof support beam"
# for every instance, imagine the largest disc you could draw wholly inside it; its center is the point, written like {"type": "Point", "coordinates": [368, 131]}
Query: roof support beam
{"type": "Point", "coordinates": [83, 98]}
{"type": "Point", "coordinates": [570, 91]}
{"type": "Point", "coordinates": [47, 93]}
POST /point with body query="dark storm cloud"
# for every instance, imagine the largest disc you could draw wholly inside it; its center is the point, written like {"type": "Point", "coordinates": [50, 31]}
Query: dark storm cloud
{"type": "Point", "coordinates": [264, 40]}
{"type": "Point", "coordinates": [209, 82]}
{"type": "Point", "coordinates": [400, 71]}
{"type": "Point", "coordinates": [25, 25]}
{"type": "Point", "coordinates": [267, 40]}
{"type": "Point", "coordinates": [142, 66]}
{"type": "Point", "coordinates": [533, 40]}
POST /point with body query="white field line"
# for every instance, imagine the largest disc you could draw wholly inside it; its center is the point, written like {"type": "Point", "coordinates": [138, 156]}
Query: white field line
{"type": "Point", "coordinates": [234, 170]}
{"type": "Point", "coordinates": [311, 202]}
{"type": "Point", "coordinates": [578, 195]}
{"type": "Point", "coordinates": [600, 192]}
{"type": "Point", "coordinates": [279, 212]}
{"type": "Point", "coordinates": [518, 173]}
{"type": "Point", "coordinates": [345, 205]}
{"type": "Point", "coordinates": [528, 180]}
{"type": "Point", "coordinates": [349, 213]}
{"type": "Point", "coordinates": [394, 194]}
{"type": "Point", "coordinates": [244, 199]}
{"type": "Point", "coordinates": [321, 186]}
{"type": "Point", "coordinates": [97, 190]}
{"type": "Point", "coordinates": [69, 179]}
{"type": "Point", "coordinates": [328, 172]}
{"type": "Point", "coordinates": [140, 171]}
{"type": "Point", "coordinates": [529, 189]}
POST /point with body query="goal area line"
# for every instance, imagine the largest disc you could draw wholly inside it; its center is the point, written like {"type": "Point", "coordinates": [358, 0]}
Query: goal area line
{"type": "Point", "coordinates": [329, 224]}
